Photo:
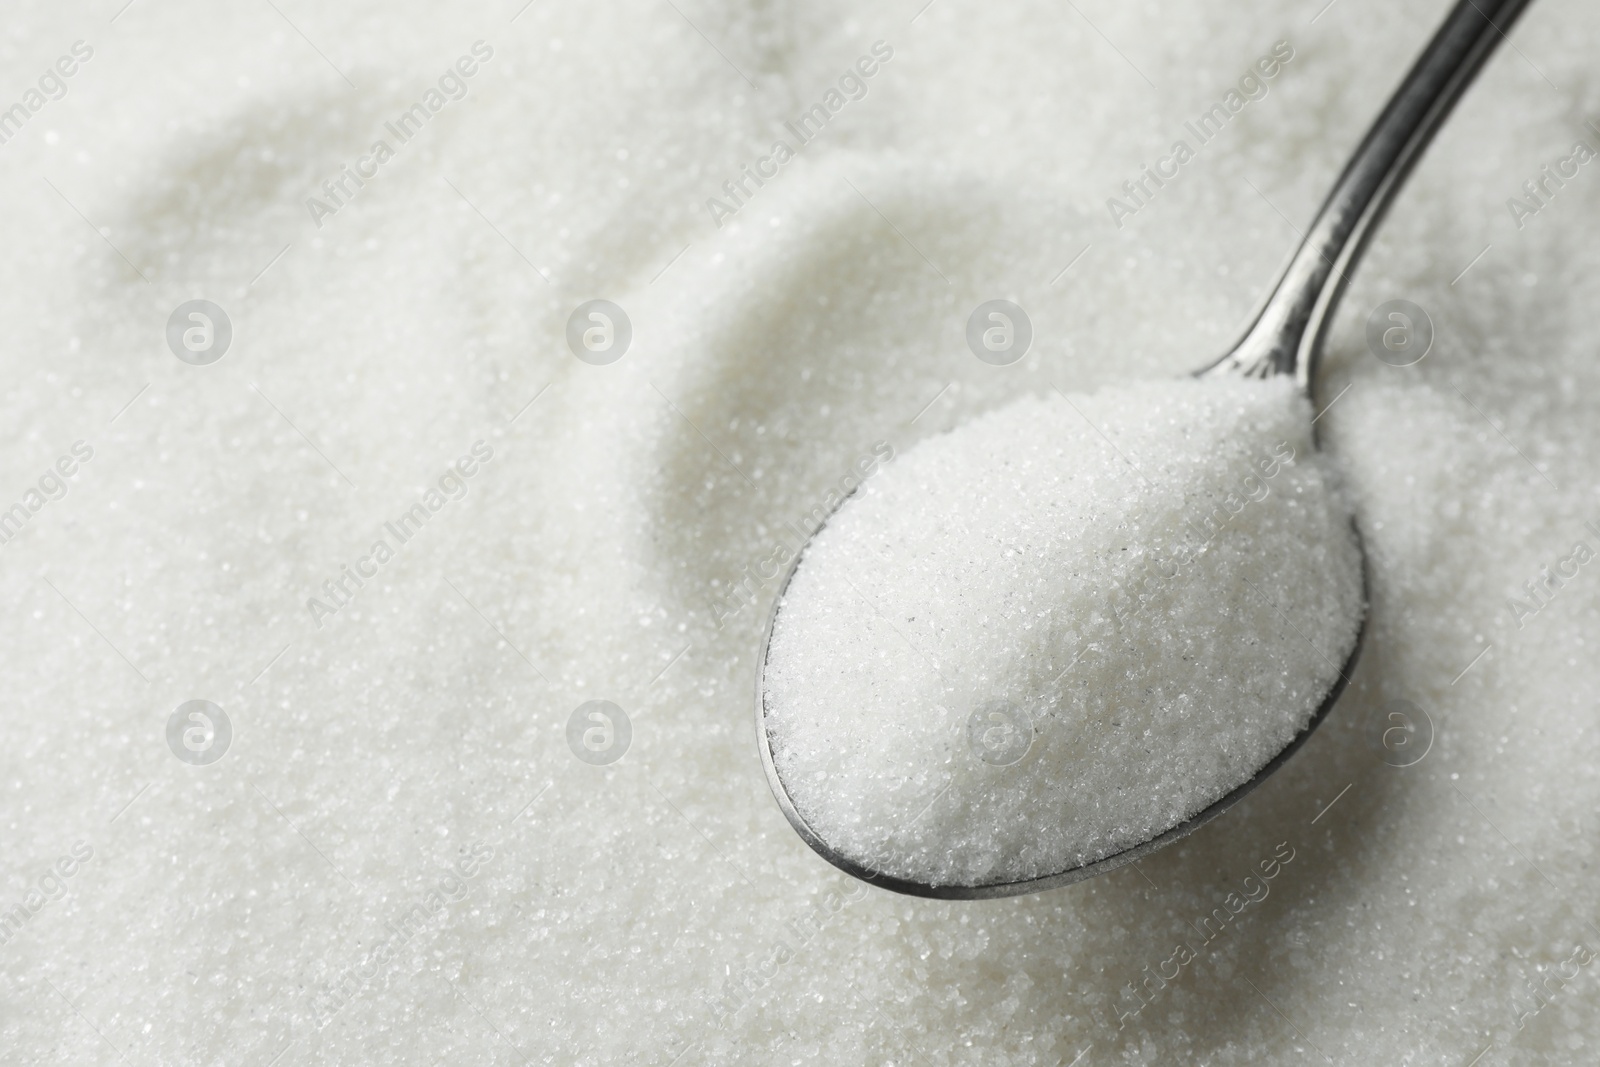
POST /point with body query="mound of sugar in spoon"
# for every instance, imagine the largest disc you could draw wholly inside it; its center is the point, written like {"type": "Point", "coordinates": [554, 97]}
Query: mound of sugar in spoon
{"type": "Point", "coordinates": [1061, 629]}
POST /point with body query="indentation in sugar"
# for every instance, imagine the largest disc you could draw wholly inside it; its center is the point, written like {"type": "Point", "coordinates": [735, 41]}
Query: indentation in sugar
{"type": "Point", "coordinates": [1062, 629]}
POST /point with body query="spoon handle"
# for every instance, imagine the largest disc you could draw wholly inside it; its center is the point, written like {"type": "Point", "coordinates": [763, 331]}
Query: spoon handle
{"type": "Point", "coordinates": [1287, 336]}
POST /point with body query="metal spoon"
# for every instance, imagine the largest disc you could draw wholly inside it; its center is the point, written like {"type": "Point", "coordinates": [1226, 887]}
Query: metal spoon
{"type": "Point", "coordinates": [1286, 338]}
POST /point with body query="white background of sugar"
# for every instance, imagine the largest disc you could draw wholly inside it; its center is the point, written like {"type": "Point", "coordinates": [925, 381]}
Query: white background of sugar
{"type": "Point", "coordinates": [406, 729]}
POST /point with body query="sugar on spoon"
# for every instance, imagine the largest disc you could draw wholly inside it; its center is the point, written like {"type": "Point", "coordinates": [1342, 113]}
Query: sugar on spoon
{"type": "Point", "coordinates": [854, 750]}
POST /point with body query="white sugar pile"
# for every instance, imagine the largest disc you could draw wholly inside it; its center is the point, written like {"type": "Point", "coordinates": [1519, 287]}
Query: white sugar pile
{"type": "Point", "coordinates": [1061, 629]}
{"type": "Point", "coordinates": [405, 857]}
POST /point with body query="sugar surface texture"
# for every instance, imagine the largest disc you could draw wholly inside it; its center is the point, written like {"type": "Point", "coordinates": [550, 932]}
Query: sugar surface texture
{"type": "Point", "coordinates": [659, 910]}
{"type": "Point", "coordinates": [1061, 629]}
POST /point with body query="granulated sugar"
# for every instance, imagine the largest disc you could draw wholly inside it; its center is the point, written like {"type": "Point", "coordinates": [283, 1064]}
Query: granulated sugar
{"type": "Point", "coordinates": [401, 859]}
{"type": "Point", "coordinates": [1061, 629]}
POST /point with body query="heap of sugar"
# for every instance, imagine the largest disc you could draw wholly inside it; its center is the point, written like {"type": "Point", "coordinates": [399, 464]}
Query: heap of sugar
{"type": "Point", "coordinates": [659, 909]}
{"type": "Point", "coordinates": [1062, 629]}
